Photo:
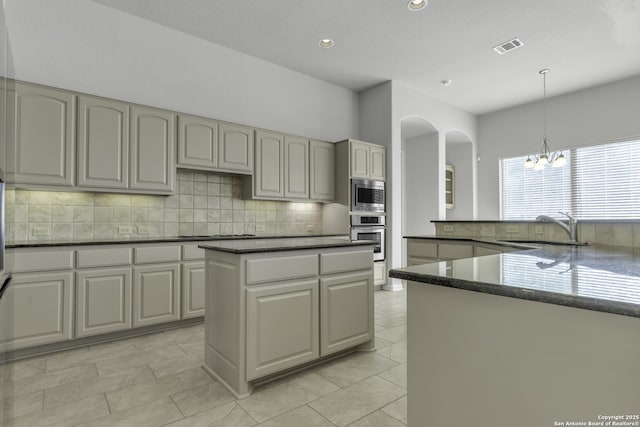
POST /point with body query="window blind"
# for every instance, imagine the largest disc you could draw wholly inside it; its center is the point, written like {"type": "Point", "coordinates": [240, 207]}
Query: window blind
{"type": "Point", "coordinates": [607, 181]}
{"type": "Point", "coordinates": [526, 193]}
{"type": "Point", "coordinates": [599, 182]}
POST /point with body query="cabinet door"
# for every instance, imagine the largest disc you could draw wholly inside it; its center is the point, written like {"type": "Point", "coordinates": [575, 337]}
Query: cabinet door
{"type": "Point", "coordinates": [377, 163]}
{"type": "Point", "coordinates": [379, 273]}
{"type": "Point", "coordinates": [282, 327]}
{"type": "Point", "coordinates": [346, 311]}
{"type": "Point", "coordinates": [192, 289]}
{"type": "Point", "coordinates": [235, 152]}
{"type": "Point", "coordinates": [197, 142]}
{"type": "Point", "coordinates": [103, 143]}
{"type": "Point", "coordinates": [156, 294]}
{"type": "Point", "coordinates": [41, 135]}
{"type": "Point", "coordinates": [39, 310]}
{"type": "Point", "coordinates": [359, 160]}
{"type": "Point", "coordinates": [103, 301]}
{"type": "Point", "coordinates": [322, 173]}
{"type": "Point", "coordinates": [269, 173]}
{"type": "Point", "coordinates": [152, 149]}
{"type": "Point", "coordinates": [296, 167]}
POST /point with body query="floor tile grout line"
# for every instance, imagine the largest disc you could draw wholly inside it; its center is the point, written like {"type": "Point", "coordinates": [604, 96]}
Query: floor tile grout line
{"type": "Point", "coordinates": [330, 422]}
{"type": "Point", "coordinates": [400, 421]}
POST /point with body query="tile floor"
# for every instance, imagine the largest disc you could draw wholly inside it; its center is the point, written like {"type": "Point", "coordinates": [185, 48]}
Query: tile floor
{"type": "Point", "coordinates": [156, 380]}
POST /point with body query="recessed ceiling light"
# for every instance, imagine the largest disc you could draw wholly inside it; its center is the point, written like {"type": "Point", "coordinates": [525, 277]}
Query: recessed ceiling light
{"type": "Point", "coordinates": [415, 5]}
{"type": "Point", "coordinates": [445, 82]}
{"type": "Point", "coordinates": [326, 43]}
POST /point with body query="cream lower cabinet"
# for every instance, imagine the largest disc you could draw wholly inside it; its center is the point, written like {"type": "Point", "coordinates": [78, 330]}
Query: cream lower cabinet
{"type": "Point", "coordinates": [345, 311]}
{"type": "Point", "coordinates": [282, 327]}
{"type": "Point", "coordinates": [156, 294]}
{"type": "Point", "coordinates": [103, 301]}
{"type": "Point", "coordinates": [379, 273]}
{"type": "Point", "coordinates": [272, 311]}
{"type": "Point", "coordinates": [37, 309]}
{"type": "Point", "coordinates": [192, 289]}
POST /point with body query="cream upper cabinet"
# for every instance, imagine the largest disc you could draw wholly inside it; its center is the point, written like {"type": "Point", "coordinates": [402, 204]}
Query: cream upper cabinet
{"type": "Point", "coordinates": [359, 160]}
{"type": "Point", "coordinates": [296, 167]}
{"type": "Point", "coordinates": [377, 162]}
{"type": "Point", "coordinates": [41, 129]}
{"type": "Point", "coordinates": [268, 179]}
{"type": "Point", "coordinates": [216, 146]}
{"type": "Point", "coordinates": [235, 151]}
{"type": "Point", "coordinates": [153, 164]}
{"type": "Point", "coordinates": [290, 167]}
{"type": "Point", "coordinates": [197, 142]}
{"type": "Point", "coordinates": [103, 143]}
{"type": "Point", "coordinates": [367, 161]}
{"type": "Point", "coordinates": [322, 165]}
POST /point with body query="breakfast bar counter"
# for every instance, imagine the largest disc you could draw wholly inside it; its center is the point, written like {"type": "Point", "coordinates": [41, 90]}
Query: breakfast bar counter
{"type": "Point", "coordinates": [537, 337]}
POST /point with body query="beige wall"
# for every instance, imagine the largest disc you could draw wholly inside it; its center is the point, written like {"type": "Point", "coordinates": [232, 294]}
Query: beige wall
{"type": "Point", "coordinates": [204, 204]}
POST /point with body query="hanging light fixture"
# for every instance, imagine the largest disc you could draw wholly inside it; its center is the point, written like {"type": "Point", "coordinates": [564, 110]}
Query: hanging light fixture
{"type": "Point", "coordinates": [545, 157]}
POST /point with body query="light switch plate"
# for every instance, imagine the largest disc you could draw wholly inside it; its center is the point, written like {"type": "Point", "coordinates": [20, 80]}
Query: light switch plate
{"type": "Point", "coordinates": [538, 229]}
{"type": "Point", "coordinates": [143, 229]}
{"type": "Point", "coordinates": [512, 228]}
{"type": "Point", "coordinates": [261, 227]}
{"type": "Point", "coordinates": [448, 228]}
{"type": "Point", "coordinates": [40, 231]}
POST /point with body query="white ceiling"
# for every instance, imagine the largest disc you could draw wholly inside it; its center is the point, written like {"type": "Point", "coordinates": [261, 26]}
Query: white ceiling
{"type": "Point", "coordinates": [583, 42]}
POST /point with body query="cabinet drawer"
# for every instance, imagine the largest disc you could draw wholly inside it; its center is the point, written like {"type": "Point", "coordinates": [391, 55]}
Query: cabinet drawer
{"type": "Point", "coordinates": [104, 257]}
{"type": "Point", "coordinates": [29, 261]}
{"type": "Point", "coordinates": [154, 255]}
{"type": "Point", "coordinates": [350, 261]}
{"type": "Point", "coordinates": [290, 267]}
{"type": "Point", "coordinates": [192, 252]}
{"type": "Point", "coordinates": [422, 249]}
{"type": "Point", "coordinates": [452, 251]}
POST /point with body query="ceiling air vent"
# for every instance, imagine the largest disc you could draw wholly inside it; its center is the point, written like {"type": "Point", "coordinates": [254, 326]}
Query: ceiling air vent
{"type": "Point", "coordinates": [505, 47]}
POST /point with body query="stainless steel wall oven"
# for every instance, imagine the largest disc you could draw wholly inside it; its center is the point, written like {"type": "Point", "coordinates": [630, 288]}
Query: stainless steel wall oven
{"type": "Point", "coordinates": [370, 227]}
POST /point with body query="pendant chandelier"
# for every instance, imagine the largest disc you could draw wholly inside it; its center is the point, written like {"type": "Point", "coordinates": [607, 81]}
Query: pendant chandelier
{"type": "Point", "coordinates": [545, 157]}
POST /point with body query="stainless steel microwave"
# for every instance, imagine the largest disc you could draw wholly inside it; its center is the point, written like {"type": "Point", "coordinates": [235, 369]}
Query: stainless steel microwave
{"type": "Point", "coordinates": [367, 195]}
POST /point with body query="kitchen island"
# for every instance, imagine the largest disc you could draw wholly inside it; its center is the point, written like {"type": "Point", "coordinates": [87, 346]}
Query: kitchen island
{"type": "Point", "coordinates": [539, 337]}
{"type": "Point", "coordinates": [276, 305]}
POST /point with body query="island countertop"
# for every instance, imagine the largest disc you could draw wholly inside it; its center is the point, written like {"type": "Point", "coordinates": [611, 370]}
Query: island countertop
{"type": "Point", "coordinates": [247, 246]}
{"type": "Point", "coordinates": [592, 277]}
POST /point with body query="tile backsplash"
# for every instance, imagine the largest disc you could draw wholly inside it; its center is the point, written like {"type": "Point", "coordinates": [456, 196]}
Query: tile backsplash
{"type": "Point", "coordinates": [601, 233]}
{"type": "Point", "coordinates": [205, 203]}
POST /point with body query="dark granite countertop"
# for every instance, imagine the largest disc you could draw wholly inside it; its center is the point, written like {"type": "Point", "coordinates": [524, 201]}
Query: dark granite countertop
{"type": "Point", "coordinates": [278, 245]}
{"type": "Point", "coordinates": [138, 239]}
{"type": "Point", "coordinates": [515, 242]}
{"type": "Point", "coordinates": [591, 277]}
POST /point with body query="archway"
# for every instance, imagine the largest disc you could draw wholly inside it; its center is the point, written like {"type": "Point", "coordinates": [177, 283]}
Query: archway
{"type": "Point", "coordinates": [421, 180]}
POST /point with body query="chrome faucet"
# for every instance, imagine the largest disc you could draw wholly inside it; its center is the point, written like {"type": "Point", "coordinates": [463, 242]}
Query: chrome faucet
{"type": "Point", "coordinates": [571, 227]}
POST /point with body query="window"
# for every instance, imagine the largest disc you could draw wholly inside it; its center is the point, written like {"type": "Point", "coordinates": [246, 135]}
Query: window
{"type": "Point", "coordinates": [599, 182]}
